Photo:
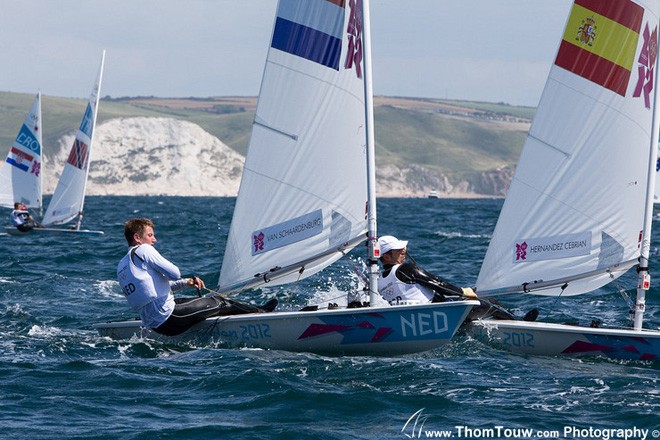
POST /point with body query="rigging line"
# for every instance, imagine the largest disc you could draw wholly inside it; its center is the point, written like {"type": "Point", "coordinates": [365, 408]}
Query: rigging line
{"type": "Point", "coordinates": [295, 287]}
{"type": "Point", "coordinates": [498, 308]}
{"type": "Point", "coordinates": [221, 295]}
{"type": "Point", "coordinates": [235, 302]}
{"type": "Point", "coordinates": [626, 298]}
{"type": "Point", "coordinates": [216, 321]}
{"type": "Point", "coordinates": [563, 289]}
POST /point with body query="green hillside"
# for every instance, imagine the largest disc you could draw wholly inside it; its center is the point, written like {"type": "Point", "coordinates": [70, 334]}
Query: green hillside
{"type": "Point", "coordinates": [455, 146]}
{"type": "Point", "coordinates": [454, 137]}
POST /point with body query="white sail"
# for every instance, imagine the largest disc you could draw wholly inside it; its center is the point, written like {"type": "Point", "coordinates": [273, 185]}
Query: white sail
{"type": "Point", "coordinates": [303, 193]}
{"type": "Point", "coordinates": [20, 174]}
{"type": "Point", "coordinates": [69, 196]}
{"type": "Point", "coordinates": [573, 217]}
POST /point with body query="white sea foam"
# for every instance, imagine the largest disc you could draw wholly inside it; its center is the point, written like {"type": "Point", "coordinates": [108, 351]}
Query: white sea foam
{"type": "Point", "coordinates": [108, 288]}
{"type": "Point", "coordinates": [44, 332]}
{"type": "Point", "coordinates": [456, 234]}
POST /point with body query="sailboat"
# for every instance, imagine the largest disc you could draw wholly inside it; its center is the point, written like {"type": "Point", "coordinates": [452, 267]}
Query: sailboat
{"type": "Point", "coordinates": [20, 174]}
{"type": "Point", "coordinates": [308, 175]}
{"type": "Point", "coordinates": [69, 196]}
{"type": "Point", "coordinates": [578, 212]}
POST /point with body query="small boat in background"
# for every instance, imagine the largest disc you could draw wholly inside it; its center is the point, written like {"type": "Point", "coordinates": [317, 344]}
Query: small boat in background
{"type": "Point", "coordinates": [69, 196]}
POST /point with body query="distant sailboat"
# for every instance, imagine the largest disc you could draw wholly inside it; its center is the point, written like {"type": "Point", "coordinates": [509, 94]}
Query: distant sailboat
{"type": "Point", "coordinates": [308, 175]}
{"type": "Point", "coordinates": [578, 211]}
{"type": "Point", "coordinates": [20, 174]}
{"type": "Point", "coordinates": [69, 196]}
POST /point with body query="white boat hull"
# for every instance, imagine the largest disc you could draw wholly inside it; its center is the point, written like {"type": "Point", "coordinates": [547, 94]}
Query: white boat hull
{"type": "Point", "coordinates": [390, 330]}
{"type": "Point", "coordinates": [549, 339]}
{"type": "Point", "coordinates": [14, 231]}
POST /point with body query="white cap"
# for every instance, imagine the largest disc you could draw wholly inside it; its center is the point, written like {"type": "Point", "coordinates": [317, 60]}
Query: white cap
{"type": "Point", "coordinates": [389, 242]}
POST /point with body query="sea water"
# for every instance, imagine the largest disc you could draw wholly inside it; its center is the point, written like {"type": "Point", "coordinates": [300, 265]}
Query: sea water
{"type": "Point", "coordinates": [59, 379]}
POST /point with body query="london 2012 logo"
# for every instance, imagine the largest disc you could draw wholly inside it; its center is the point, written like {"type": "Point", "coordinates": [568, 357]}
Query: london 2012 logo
{"type": "Point", "coordinates": [354, 30]}
{"type": "Point", "coordinates": [521, 251]}
{"type": "Point", "coordinates": [646, 64]}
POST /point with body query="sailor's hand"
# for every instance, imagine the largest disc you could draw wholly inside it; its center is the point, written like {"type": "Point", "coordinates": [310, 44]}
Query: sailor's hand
{"type": "Point", "coordinates": [469, 293]}
{"type": "Point", "coordinates": [196, 282]}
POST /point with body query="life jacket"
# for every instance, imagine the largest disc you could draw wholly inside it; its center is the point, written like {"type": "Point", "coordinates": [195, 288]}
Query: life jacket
{"type": "Point", "coordinates": [393, 289]}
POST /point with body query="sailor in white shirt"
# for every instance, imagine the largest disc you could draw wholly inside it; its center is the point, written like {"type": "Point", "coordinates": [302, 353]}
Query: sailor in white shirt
{"type": "Point", "coordinates": [406, 281]}
{"type": "Point", "coordinates": [21, 218]}
{"type": "Point", "coordinates": [148, 280]}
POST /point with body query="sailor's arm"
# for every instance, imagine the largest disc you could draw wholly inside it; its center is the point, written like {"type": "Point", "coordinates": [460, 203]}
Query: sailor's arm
{"type": "Point", "coordinates": [411, 273]}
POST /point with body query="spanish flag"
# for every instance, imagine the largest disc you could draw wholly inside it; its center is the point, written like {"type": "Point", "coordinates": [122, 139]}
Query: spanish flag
{"type": "Point", "coordinates": [600, 41]}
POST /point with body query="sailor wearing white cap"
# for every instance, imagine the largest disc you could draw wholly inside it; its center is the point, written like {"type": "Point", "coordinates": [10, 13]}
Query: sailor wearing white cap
{"type": "Point", "coordinates": [406, 281]}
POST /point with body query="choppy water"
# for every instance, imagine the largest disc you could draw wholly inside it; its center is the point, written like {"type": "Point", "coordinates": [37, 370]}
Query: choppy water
{"type": "Point", "coordinates": [59, 379]}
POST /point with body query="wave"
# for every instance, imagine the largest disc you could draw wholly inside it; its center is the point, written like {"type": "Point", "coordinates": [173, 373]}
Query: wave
{"type": "Point", "coordinates": [456, 234]}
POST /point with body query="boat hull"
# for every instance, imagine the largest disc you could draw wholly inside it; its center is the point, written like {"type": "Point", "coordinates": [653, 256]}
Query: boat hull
{"type": "Point", "coordinates": [391, 330]}
{"type": "Point", "coordinates": [550, 339]}
{"type": "Point", "coordinates": [14, 231]}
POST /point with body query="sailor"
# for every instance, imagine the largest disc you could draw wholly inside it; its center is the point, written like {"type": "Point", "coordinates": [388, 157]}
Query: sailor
{"type": "Point", "coordinates": [147, 279]}
{"type": "Point", "coordinates": [406, 281]}
{"type": "Point", "coordinates": [21, 218]}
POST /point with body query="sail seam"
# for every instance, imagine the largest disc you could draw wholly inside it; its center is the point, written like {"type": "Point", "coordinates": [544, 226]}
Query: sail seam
{"type": "Point", "coordinates": [358, 98]}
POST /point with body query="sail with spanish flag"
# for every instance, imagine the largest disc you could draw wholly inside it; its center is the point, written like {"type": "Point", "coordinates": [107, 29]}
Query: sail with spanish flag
{"type": "Point", "coordinates": [600, 42]}
{"type": "Point", "coordinates": [573, 214]}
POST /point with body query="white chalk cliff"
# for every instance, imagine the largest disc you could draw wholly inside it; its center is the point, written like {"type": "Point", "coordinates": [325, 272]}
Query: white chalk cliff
{"type": "Point", "coordinates": [164, 156]}
{"type": "Point", "coordinates": [154, 156]}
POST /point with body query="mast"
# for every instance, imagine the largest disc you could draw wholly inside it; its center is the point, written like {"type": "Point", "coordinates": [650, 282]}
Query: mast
{"type": "Point", "coordinates": [91, 139]}
{"type": "Point", "coordinates": [372, 233]}
{"type": "Point", "coordinates": [643, 275]}
{"type": "Point", "coordinates": [41, 165]}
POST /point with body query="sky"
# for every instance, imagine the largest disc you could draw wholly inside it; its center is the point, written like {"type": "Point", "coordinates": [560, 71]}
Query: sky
{"type": "Point", "coordinates": [484, 50]}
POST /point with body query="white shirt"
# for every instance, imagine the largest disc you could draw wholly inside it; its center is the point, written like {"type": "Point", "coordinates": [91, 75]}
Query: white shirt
{"type": "Point", "coordinates": [147, 280]}
{"type": "Point", "coordinates": [392, 289]}
{"type": "Point", "coordinates": [18, 216]}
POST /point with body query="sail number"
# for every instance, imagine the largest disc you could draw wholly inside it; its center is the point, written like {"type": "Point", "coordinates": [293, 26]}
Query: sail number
{"type": "Point", "coordinates": [516, 339]}
{"type": "Point", "coordinates": [255, 331]}
{"type": "Point", "coordinates": [424, 324]}
{"type": "Point", "coordinates": [27, 140]}
{"type": "Point", "coordinates": [248, 332]}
